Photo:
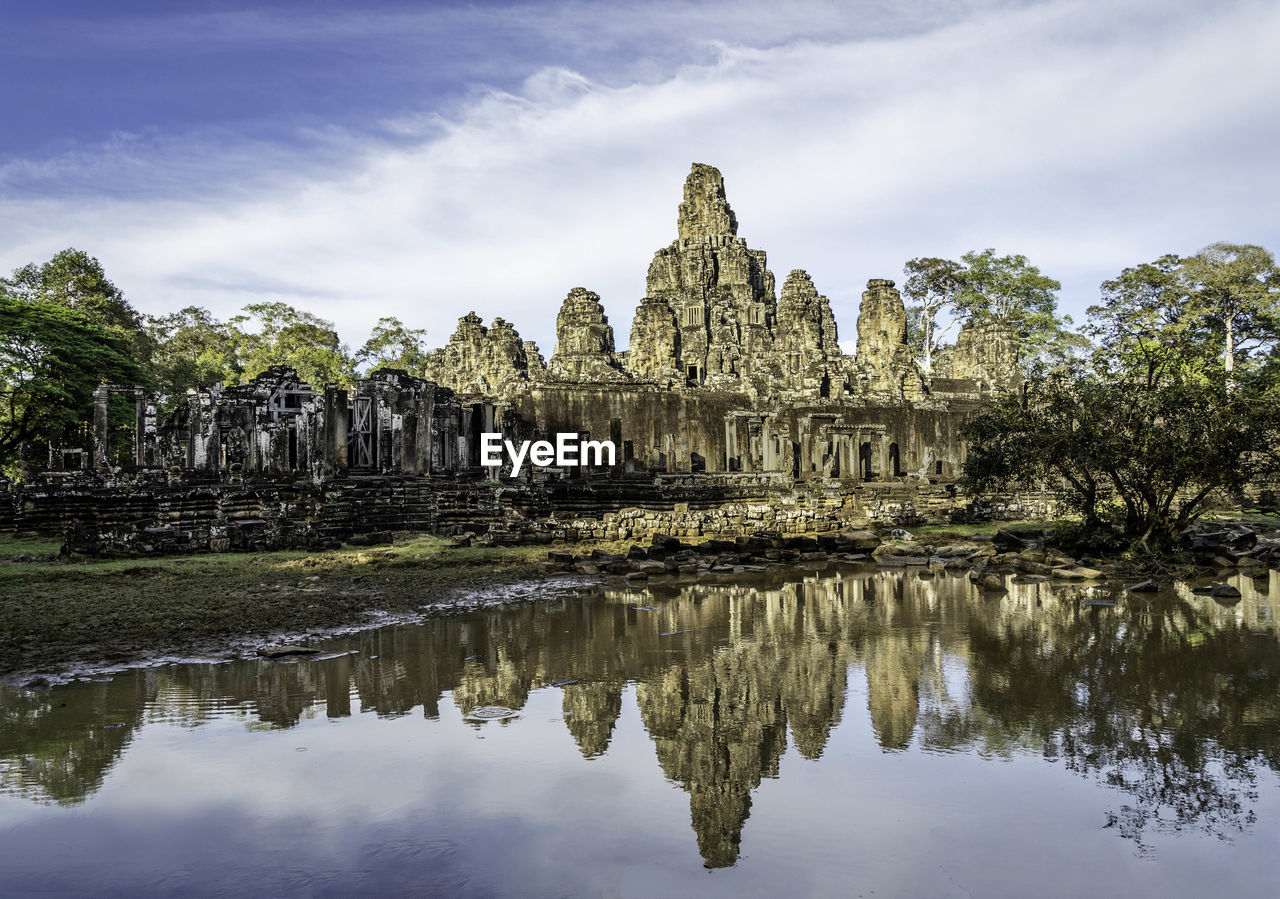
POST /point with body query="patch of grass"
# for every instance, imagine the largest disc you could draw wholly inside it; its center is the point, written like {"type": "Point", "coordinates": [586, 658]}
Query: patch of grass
{"type": "Point", "coordinates": [55, 613]}
{"type": "Point", "coordinates": [1251, 517]}
{"type": "Point", "coordinates": [964, 530]}
{"type": "Point", "coordinates": [27, 546]}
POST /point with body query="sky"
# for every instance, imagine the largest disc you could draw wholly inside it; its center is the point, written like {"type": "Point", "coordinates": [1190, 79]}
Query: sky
{"type": "Point", "coordinates": [423, 160]}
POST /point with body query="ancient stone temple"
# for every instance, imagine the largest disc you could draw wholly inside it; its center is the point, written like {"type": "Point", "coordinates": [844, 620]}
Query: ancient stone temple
{"type": "Point", "coordinates": [728, 391]}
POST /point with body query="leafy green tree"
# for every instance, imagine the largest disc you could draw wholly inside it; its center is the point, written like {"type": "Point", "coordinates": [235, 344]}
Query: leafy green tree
{"type": "Point", "coordinates": [393, 345]}
{"type": "Point", "coordinates": [1146, 324]}
{"type": "Point", "coordinates": [931, 288]}
{"type": "Point", "coordinates": [1011, 290]}
{"type": "Point", "coordinates": [192, 349]}
{"type": "Point", "coordinates": [76, 280]}
{"type": "Point", "coordinates": [52, 358]}
{"type": "Point", "coordinates": [1137, 456]}
{"type": "Point", "coordinates": [267, 334]}
{"type": "Point", "coordinates": [1236, 289]}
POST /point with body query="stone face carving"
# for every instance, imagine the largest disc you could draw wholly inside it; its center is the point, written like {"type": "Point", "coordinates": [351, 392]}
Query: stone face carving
{"type": "Point", "coordinates": [584, 340]}
{"type": "Point", "coordinates": [805, 333]}
{"type": "Point", "coordinates": [883, 358]}
{"type": "Point", "coordinates": [533, 356]}
{"type": "Point", "coordinates": [655, 342]}
{"type": "Point", "coordinates": [480, 360]}
{"type": "Point", "coordinates": [705, 211]}
{"type": "Point", "coordinates": [984, 351]}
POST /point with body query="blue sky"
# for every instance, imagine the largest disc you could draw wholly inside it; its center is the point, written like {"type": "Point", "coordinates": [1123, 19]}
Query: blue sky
{"type": "Point", "coordinates": [425, 159]}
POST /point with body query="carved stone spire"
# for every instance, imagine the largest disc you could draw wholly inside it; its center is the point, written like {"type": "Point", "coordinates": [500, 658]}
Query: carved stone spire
{"type": "Point", "coordinates": [883, 353]}
{"type": "Point", "coordinates": [584, 339]}
{"type": "Point", "coordinates": [705, 211]}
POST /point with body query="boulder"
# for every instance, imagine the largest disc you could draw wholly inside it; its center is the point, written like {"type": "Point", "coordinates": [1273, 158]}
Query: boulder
{"type": "Point", "coordinates": [861, 541]}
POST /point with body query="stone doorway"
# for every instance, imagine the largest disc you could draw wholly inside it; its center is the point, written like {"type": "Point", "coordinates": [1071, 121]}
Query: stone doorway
{"type": "Point", "coordinates": [361, 437]}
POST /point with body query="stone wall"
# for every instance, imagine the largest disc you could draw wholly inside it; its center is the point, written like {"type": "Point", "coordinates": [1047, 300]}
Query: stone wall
{"type": "Point", "coordinates": [214, 517]}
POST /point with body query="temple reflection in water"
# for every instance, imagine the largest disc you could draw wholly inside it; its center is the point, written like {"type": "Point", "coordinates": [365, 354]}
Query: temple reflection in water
{"type": "Point", "coordinates": [1172, 699]}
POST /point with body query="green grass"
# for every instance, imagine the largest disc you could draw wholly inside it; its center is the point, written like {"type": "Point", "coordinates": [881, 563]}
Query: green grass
{"type": "Point", "coordinates": [64, 611]}
{"type": "Point", "coordinates": [27, 546]}
{"type": "Point", "coordinates": [1251, 517]}
{"type": "Point", "coordinates": [961, 531]}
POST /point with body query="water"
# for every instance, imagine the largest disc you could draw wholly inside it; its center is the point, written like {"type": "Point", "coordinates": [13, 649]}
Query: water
{"type": "Point", "coordinates": [833, 731]}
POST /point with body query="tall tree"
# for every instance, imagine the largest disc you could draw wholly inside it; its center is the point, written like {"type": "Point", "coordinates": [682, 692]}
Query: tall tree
{"type": "Point", "coordinates": [76, 280]}
{"type": "Point", "coordinates": [1145, 324]}
{"type": "Point", "coordinates": [1011, 290]}
{"type": "Point", "coordinates": [192, 349]}
{"type": "Point", "coordinates": [931, 288]}
{"type": "Point", "coordinates": [51, 359]}
{"type": "Point", "coordinates": [267, 334]}
{"type": "Point", "coordinates": [394, 345]}
{"type": "Point", "coordinates": [1236, 288]}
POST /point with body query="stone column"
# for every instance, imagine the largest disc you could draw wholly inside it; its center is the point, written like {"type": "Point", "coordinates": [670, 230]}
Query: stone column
{"type": "Point", "coordinates": [101, 427]}
{"type": "Point", "coordinates": [336, 422]}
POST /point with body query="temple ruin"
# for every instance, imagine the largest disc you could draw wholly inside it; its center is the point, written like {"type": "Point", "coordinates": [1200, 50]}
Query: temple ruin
{"type": "Point", "coordinates": [729, 391]}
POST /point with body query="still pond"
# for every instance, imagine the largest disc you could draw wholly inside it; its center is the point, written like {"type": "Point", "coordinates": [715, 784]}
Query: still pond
{"type": "Point", "coordinates": [815, 731]}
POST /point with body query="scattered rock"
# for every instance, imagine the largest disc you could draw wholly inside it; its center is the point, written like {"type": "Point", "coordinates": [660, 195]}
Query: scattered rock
{"type": "Point", "coordinates": [1078, 573]}
{"type": "Point", "coordinates": [861, 541]}
{"type": "Point", "coordinates": [993, 583]}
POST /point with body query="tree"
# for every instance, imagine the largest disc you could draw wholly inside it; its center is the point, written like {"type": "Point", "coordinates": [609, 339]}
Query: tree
{"type": "Point", "coordinates": [1009, 289]}
{"type": "Point", "coordinates": [77, 281]}
{"type": "Point", "coordinates": [393, 345]}
{"type": "Point", "coordinates": [267, 334]}
{"type": "Point", "coordinates": [1140, 459]}
{"type": "Point", "coordinates": [1235, 288]}
{"type": "Point", "coordinates": [1139, 452]}
{"type": "Point", "coordinates": [51, 359]}
{"type": "Point", "coordinates": [932, 286]}
{"type": "Point", "coordinates": [1145, 322]}
{"type": "Point", "coordinates": [192, 349]}
{"type": "Point", "coordinates": [1157, 420]}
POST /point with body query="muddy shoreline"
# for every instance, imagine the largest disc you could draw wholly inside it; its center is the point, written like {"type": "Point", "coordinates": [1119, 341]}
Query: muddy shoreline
{"type": "Point", "coordinates": [59, 620]}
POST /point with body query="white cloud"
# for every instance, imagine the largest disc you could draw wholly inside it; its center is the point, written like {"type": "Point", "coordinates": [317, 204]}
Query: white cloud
{"type": "Point", "coordinates": [1086, 137]}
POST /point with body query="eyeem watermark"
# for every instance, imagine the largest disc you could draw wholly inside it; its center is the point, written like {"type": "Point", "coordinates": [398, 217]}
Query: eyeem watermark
{"type": "Point", "coordinates": [567, 452]}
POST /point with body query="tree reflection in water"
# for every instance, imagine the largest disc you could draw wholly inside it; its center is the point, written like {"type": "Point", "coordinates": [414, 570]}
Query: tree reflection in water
{"type": "Point", "coordinates": [1172, 700]}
